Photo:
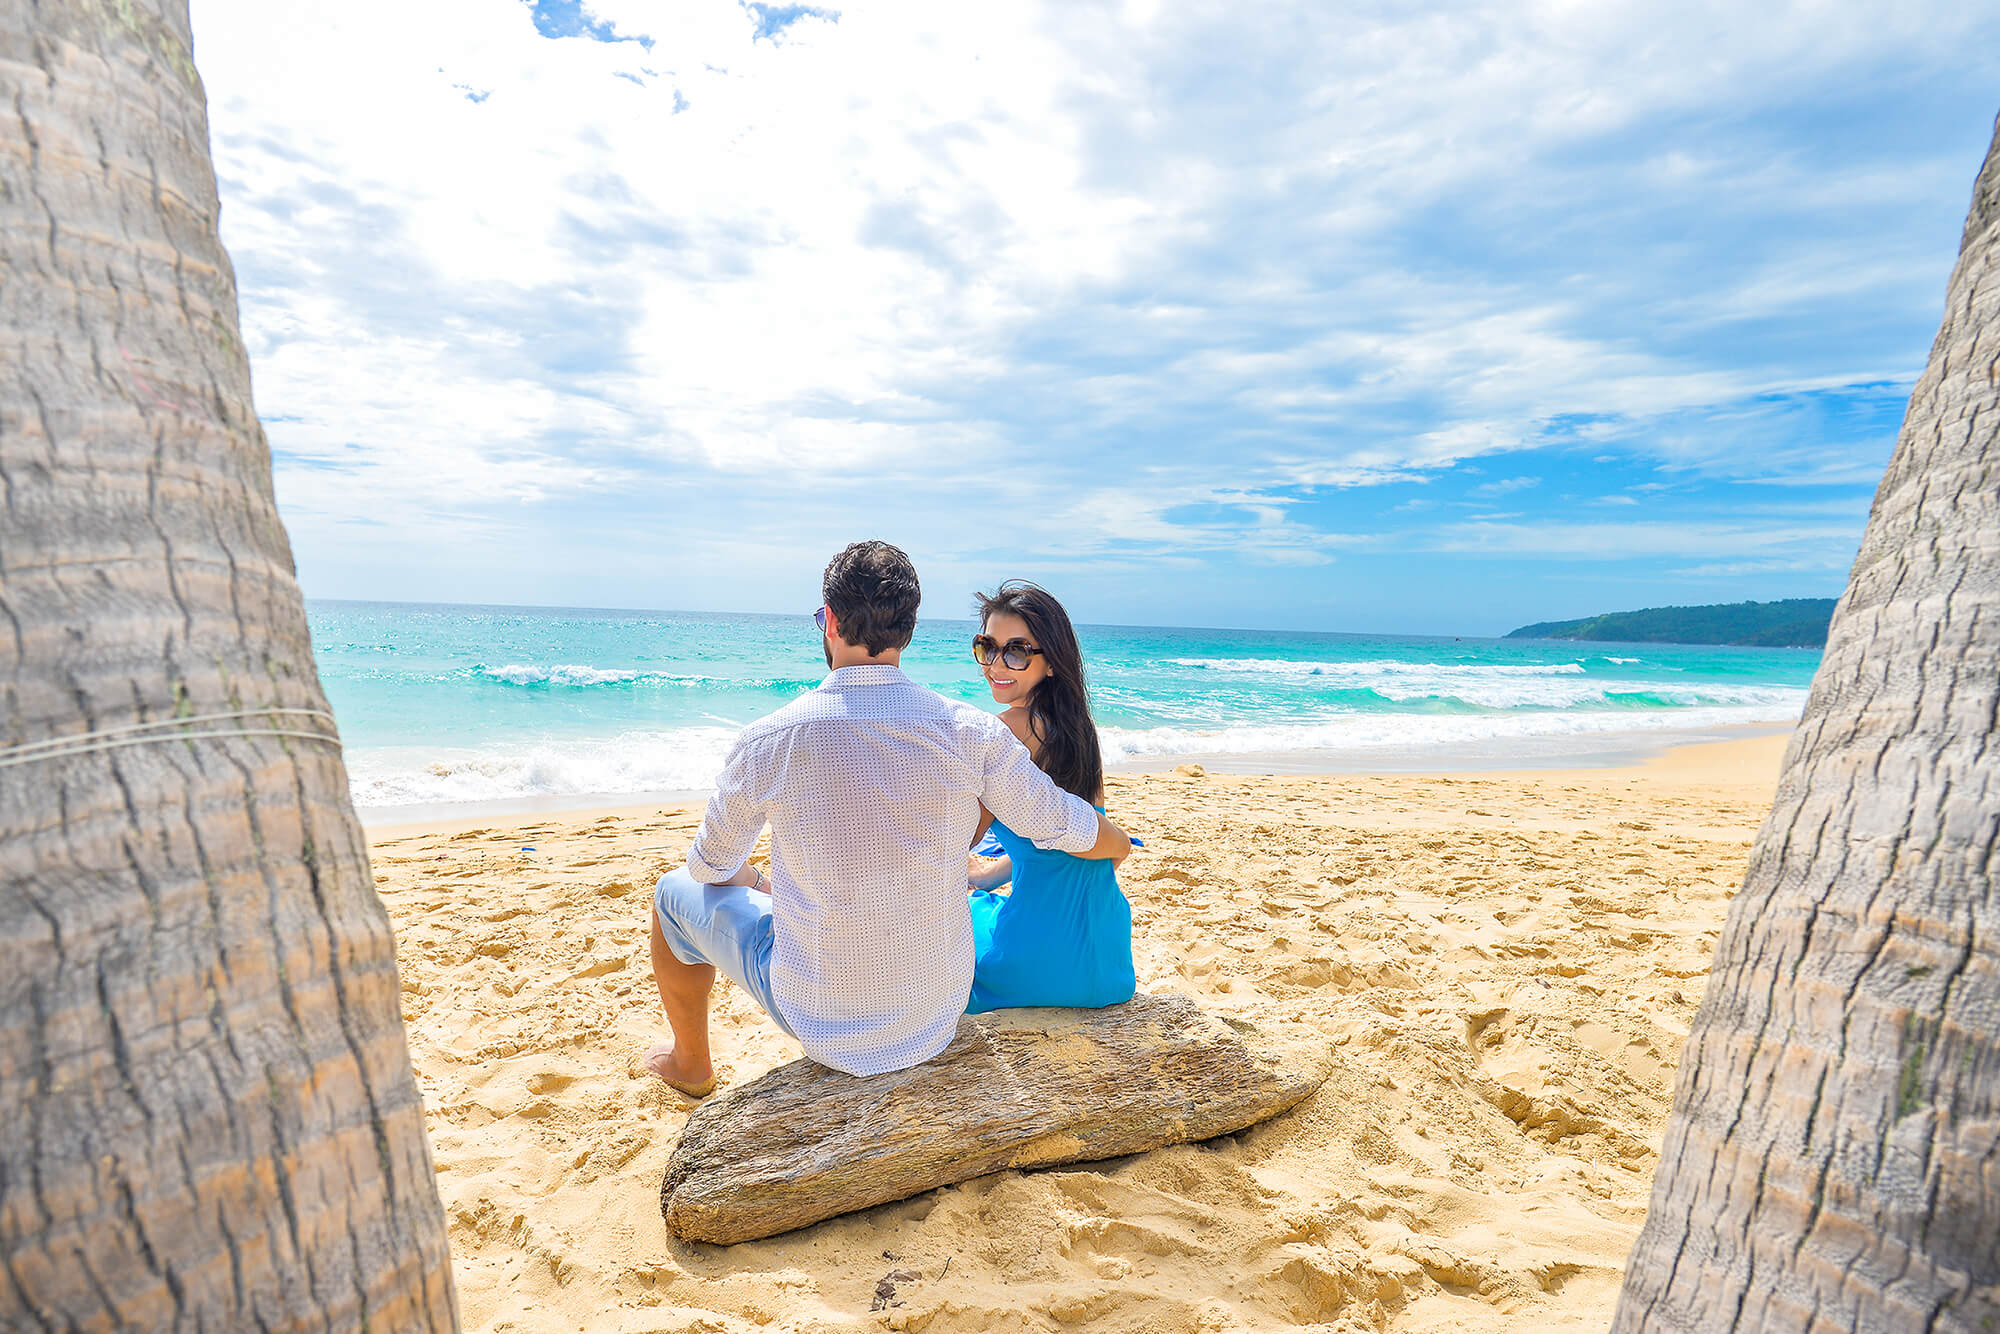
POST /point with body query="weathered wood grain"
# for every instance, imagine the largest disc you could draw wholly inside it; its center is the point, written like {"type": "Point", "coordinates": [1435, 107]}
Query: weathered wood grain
{"type": "Point", "coordinates": [1016, 1088]}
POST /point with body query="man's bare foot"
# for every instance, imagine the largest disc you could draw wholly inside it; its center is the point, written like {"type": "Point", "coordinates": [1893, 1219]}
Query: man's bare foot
{"type": "Point", "coordinates": [680, 1074]}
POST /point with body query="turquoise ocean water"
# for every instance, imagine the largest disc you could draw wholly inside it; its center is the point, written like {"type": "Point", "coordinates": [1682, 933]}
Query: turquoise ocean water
{"type": "Point", "coordinates": [447, 705]}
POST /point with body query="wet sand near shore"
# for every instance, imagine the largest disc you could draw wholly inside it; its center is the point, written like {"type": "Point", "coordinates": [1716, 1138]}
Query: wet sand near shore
{"type": "Point", "coordinates": [1503, 964]}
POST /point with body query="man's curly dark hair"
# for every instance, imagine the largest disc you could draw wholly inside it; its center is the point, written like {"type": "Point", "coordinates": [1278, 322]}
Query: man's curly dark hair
{"type": "Point", "coordinates": [871, 588]}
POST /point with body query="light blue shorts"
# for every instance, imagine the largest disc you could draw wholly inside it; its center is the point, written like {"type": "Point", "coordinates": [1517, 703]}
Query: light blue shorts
{"type": "Point", "coordinates": [725, 925]}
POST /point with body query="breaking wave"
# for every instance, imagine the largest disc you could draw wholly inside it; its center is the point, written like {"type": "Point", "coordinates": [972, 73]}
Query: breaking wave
{"type": "Point", "coordinates": [688, 759]}
{"type": "Point", "coordinates": [1368, 671]}
{"type": "Point", "coordinates": [1406, 732]}
{"type": "Point", "coordinates": [520, 674]}
{"type": "Point", "coordinates": [580, 676]}
{"type": "Point", "coordinates": [683, 760]}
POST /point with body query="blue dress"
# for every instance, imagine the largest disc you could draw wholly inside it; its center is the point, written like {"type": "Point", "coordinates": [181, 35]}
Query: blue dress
{"type": "Point", "coordinates": [1063, 937]}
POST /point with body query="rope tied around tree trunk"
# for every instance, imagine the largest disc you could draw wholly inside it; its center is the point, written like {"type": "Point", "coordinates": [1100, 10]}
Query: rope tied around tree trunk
{"type": "Point", "coordinates": [142, 734]}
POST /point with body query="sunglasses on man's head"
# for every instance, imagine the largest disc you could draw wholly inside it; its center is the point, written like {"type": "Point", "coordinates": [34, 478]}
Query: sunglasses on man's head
{"type": "Point", "coordinates": [1015, 654]}
{"type": "Point", "coordinates": [819, 619]}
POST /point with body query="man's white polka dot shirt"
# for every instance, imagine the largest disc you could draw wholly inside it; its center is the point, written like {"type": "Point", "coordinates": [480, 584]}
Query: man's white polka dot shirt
{"type": "Point", "coordinates": [871, 785]}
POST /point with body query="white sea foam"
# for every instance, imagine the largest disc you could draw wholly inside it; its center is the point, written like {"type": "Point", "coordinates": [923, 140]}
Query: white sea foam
{"type": "Point", "coordinates": [582, 675]}
{"type": "Point", "coordinates": [1422, 732]}
{"type": "Point", "coordinates": [1370, 671]}
{"type": "Point", "coordinates": [684, 760]}
{"type": "Point", "coordinates": [1573, 692]}
{"type": "Point", "coordinates": [1622, 662]}
{"type": "Point", "coordinates": [563, 674]}
{"type": "Point", "coordinates": [688, 759]}
{"type": "Point", "coordinates": [1562, 685]}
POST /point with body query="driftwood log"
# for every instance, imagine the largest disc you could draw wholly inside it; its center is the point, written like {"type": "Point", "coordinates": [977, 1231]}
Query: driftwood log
{"type": "Point", "coordinates": [1016, 1088]}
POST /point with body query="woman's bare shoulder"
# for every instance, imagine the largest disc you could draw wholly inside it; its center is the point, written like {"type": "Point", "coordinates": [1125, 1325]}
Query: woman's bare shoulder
{"type": "Point", "coordinates": [1017, 723]}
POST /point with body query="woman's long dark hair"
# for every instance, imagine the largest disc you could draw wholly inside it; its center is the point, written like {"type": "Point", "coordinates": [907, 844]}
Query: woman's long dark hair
{"type": "Point", "coordinates": [1059, 708]}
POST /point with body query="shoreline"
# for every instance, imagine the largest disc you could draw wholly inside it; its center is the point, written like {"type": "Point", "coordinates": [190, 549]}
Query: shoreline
{"type": "Point", "coordinates": [1508, 755]}
{"type": "Point", "coordinates": [1582, 754]}
{"type": "Point", "coordinates": [1707, 761]}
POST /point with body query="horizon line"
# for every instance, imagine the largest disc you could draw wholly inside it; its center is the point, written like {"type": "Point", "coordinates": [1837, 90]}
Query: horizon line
{"type": "Point", "coordinates": [1105, 625]}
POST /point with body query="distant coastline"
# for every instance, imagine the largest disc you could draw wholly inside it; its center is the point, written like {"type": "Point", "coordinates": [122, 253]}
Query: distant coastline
{"type": "Point", "coordinates": [1791, 623]}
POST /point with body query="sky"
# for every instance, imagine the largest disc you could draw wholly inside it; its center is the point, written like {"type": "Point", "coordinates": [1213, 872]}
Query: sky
{"type": "Point", "coordinates": [1380, 317]}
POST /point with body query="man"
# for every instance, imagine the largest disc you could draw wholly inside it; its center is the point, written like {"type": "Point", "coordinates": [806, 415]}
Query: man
{"type": "Point", "coordinates": [858, 943]}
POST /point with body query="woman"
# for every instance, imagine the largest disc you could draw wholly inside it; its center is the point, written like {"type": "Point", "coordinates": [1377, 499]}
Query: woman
{"type": "Point", "coordinates": [1064, 935]}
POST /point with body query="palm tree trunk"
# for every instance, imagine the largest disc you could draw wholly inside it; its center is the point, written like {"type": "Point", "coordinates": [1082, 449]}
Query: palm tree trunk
{"type": "Point", "coordinates": [1833, 1158]}
{"type": "Point", "coordinates": [211, 1120]}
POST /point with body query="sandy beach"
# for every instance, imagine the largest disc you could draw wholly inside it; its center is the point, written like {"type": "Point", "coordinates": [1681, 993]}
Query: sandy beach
{"type": "Point", "coordinates": [1503, 964]}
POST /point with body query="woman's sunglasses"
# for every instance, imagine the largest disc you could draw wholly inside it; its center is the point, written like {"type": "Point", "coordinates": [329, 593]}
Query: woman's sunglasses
{"type": "Point", "coordinates": [1014, 654]}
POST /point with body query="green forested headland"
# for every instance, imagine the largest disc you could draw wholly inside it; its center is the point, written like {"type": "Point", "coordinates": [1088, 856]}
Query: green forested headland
{"type": "Point", "coordinates": [1792, 623]}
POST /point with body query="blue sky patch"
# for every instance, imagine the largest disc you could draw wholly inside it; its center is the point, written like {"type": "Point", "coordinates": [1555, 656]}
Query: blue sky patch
{"type": "Point", "coordinates": [772, 20]}
{"type": "Point", "coordinates": [569, 18]}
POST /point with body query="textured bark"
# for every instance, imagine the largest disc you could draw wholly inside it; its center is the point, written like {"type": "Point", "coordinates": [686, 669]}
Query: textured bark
{"type": "Point", "coordinates": [1016, 1088]}
{"type": "Point", "coordinates": [211, 1118]}
{"type": "Point", "coordinates": [1833, 1158]}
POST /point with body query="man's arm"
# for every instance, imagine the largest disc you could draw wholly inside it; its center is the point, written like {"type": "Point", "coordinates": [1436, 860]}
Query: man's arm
{"type": "Point", "coordinates": [730, 826]}
{"type": "Point", "coordinates": [1113, 844]}
{"type": "Point", "coordinates": [1031, 804]}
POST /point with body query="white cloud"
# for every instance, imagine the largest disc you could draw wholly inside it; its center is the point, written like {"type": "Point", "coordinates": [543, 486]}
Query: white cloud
{"type": "Point", "coordinates": [1623, 541]}
{"type": "Point", "coordinates": [1506, 485]}
{"type": "Point", "coordinates": [1738, 568]}
{"type": "Point", "coordinates": [926, 247]}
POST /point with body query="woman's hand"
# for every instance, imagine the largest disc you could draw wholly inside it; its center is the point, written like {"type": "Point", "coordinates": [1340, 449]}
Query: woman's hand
{"type": "Point", "coordinates": [750, 876]}
{"type": "Point", "coordinates": [983, 874]}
